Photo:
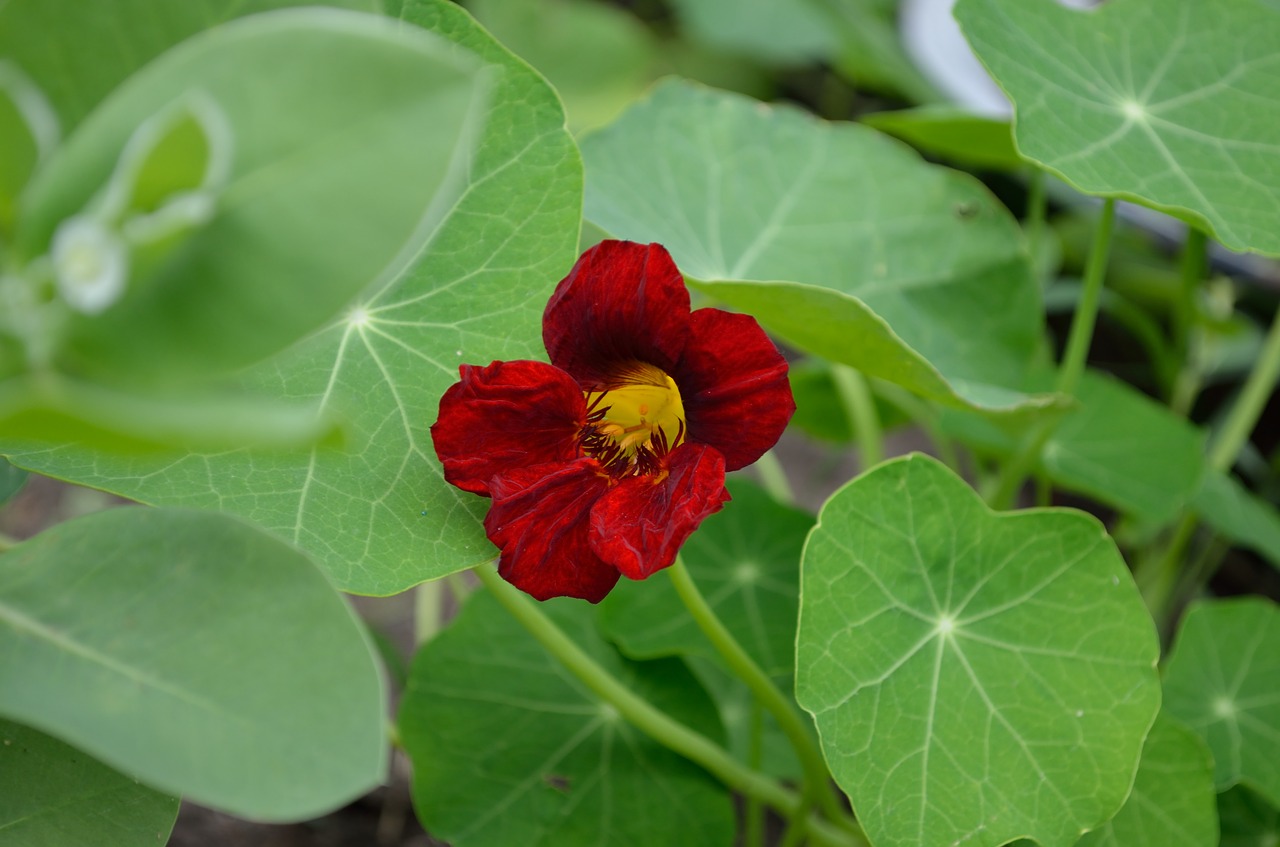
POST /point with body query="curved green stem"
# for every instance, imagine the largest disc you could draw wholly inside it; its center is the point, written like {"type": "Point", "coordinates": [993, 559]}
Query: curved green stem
{"type": "Point", "coordinates": [1248, 406]}
{"type": "Point", "coordinates": [753, 814]}
{"type": "Point", "coordinates": [1015, 471]}
{"type": "Point", "coordinates": [774, 479]}
{"type": "Point", "coordinates": [784, 712]}
{"type": "Point", "coordinates": [653, 722]}
{"type": "Point", "coordinates": [855, 396]}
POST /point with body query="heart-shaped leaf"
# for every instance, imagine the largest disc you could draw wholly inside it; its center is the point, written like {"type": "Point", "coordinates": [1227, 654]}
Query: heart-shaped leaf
{"type": "Point", "coordinates": [976, 677]}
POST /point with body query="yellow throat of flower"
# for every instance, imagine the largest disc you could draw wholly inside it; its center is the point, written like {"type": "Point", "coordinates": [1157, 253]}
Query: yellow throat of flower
{"type": "Point", "coordinates": [635, 419]}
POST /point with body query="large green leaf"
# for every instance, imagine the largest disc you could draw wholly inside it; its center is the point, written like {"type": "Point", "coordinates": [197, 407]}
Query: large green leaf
{"type": "Point", "coordinates": [347, 154]}
{"type": "Point", "coordinates": [976, 677]}
{"type": "Point", "coordinates": [380, 517]}
{"type": "Point", "coordinates": [825, 232]}
{"type": "Point", "coordinates": [508, 749]}
{"type": "Point", "coordinates": [1223, 680]}
{"type": "Point", "coordinates": [198, 654]}
{"type": "Point", "coordinates": [1149, 100]}
{"type": "Point", "coordinates": [53, 795]}
{"type": "Point", "coordinates": [98, 45]}
{"type": "Point", "coordinates": [1173, 803]}
{"type": "Point", "coordinates": [1230, 508]}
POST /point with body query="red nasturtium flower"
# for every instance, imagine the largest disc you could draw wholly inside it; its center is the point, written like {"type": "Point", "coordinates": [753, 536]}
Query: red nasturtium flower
{"type": "Point", "coordinates": [603, 462]}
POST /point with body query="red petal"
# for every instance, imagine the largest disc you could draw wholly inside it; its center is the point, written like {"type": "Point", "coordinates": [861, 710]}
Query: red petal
{"type": "Point", "coordinates": [623, 302]}
{"type": "Point", "coordinates": [505, 416]}
{"type": "Point", "coordinates": [540, 519]}
{"type": "Point", "coordinates": [639, 525]}
{"type": "Point", "coordinates": [733, 382]}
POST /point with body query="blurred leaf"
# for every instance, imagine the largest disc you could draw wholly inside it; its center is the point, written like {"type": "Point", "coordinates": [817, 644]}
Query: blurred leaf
{"type": "Point", "coordinates": [1231, 509]}
{"type": "Point", "coordinates": [810, 226]}
{"type": "Point", "coordinates": [507, 749]}
{"type": "Point", "coordinates": [53, 795]}
{"type": "Point", "coordinates": [53, 410]}
{"type": "Point", "coordinates": [1147, 100]}
{"type": "Point", "coordinates": [1173, 801]}
{"type": "Point", "coordinates": [871, 53]}
{"type": "Point", "coordinates": [197, 653]}
{"type": "Point", "coordinates": [381, 518]}
{"type": "Point", "coordinates": [97, 46]}
{"type": "Point", "coordinates": [598, 57]}
{"type": "Point", "coordinates": [12, 479]}
{"type": "Point", "coordinates": [346, 155]}
{"type": "Point", "coordinates": [780, 31]}
{"type": "Point", "coordinates": [1247, 819]}
{"type": "Point", "coordinates": [1223, 680]}
{"type": "Point", "coordinates": [975, 676]}
{"type": "Point", "coordinates": [952, 133]}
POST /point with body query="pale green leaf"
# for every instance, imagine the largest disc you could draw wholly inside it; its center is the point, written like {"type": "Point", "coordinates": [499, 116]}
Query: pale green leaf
{"type": "Point", "coordinates": [1151, 101]}
{"type": "Point", "coordinates": [508, 749]}
{"type": "Point", "coordinates": [1223, 680]}
{"type": "Point", "coordinates": [342, 159]}
{"type": "Point", "coordinates": [1231, 509]}
{"type": "Point", "coordinates": [1173, 803]}
{"type": "Point", "coordinates": [98, 45]}
{"type": "Point", "coordinates": [53, 795]}
{"type": "Point", "coordinates": [839, 240]}
{"type": "Point", "coordinates": [196, 653]}
{"type": "Point", "coordinates": [976, 676]}
{"type": "Point", "coordinates": [380, 517]}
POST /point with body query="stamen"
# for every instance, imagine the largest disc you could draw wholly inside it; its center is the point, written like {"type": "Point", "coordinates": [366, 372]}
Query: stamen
{"type": "Point", "coordinates": [633, 421]}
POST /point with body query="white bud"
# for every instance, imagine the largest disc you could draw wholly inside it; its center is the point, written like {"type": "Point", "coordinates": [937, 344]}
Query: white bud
{"type": "Point", "coordinates": [90, 264]}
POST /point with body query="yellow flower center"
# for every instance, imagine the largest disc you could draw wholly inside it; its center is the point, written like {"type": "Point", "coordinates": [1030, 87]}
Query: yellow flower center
{"type": "Point", "coordinates": [634, 420]}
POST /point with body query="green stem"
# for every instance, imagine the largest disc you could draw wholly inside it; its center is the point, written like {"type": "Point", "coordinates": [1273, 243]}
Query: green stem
{"type": "Point", "coordinates": [784, 712]}
{"type": "Point", "coordinates": [773, 476]}
{"type": "Point", "coordinates": [1014, 472]}
{"type": "Point", "coordinates": [855, 396]}
{"type": "Point", "coordinates": [754, 811]}
{"type": "Point", "coordinates": [1192, 272]}
{"type": "Point", "coordinates": [644, 716]}
{"type": "Point", "coordinates": [925, 416]}
{"type": "Point", "coordinates": [428, 610]}
{"type": "Point", "coordinates": [1037, 204]}
{"type": "Point", "coordinates": [794, 834]}
{"type": "Point", "coordinates": [1248, 406]}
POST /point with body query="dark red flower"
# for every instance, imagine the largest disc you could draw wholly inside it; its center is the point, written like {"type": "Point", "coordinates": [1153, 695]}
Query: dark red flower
{"type": "Point", "coordinates": [603, 462]}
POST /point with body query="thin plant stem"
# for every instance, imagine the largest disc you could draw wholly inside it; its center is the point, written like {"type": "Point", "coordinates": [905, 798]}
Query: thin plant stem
{"type": "Point", "coordinates": [1014, 472]}
{"type": "Point", "coordinates": [925, 416]}
{"type": "Point", "coordinates": [794, 834]}
{"type": "Point", "coordinates": [1037, 205]}
{"type": "Point", "coordinates": [773, 476]}
{"type": "Point", "coordinates": [784, 712]}
{"type": "Point", "coordinates": [855, 396]}
{"type": "Point", "coordinates": [653, 722]}
{"type": "Point", "coordinates": [1192, 268]}
{"type": "Point", "coordinates": [753, 836]}
{"type": "Point", "coordinates": [428, 610]}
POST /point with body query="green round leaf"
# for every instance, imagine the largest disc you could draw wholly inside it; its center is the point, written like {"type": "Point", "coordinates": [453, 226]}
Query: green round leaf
{"type": "Point", "coordinates": [197, 653]}
{"type": "Point", "coordinates": [380, 517]}
{"type": "Point", "coordinates": [508, 749]}
{"type": "Point", "coordinates": [975, 676]}
{"type": "Point", "coordinates": [1247, 819]}
{"type": "Point", "coordinates": [1173, 801]}
{"type": "Point", "coordinates": [1149, 100]}
{"type": "Point", "coordinates": [1223, 680]}
{"type": "Point", "coordinates": [838, 239]}
{"type": "Point", "coordinates": [53, 795]}
{"type": "Point", "coordinates": [347, 154]}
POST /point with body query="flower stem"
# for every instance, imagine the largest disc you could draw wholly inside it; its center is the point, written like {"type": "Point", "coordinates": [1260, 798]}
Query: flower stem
{"type": "Point", "coordinates": [855, 396]}
{"type": "Point", "coordinates": [773, 476]}
{"type": "Point", "coordinates": [753, 836]}
{"type": "Point", "coordinates": [1015, 471]}
{"type": "Point", "coordinates": [644, 716]}
{"type": "Point", "coordinates": [788, 717]}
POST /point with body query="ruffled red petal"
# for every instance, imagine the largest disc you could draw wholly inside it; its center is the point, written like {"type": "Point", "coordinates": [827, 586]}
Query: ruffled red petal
{"type": "Point", "coordinates": [733, 382]}
{"type": "Point", "coordinates": [623, 302]}
{"type": "Point", "coordinates": [540, 519]}
{"type": "Point", "coordinates": [640, 523]}
{"type": "Point", "coordinates": [505, 416]}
